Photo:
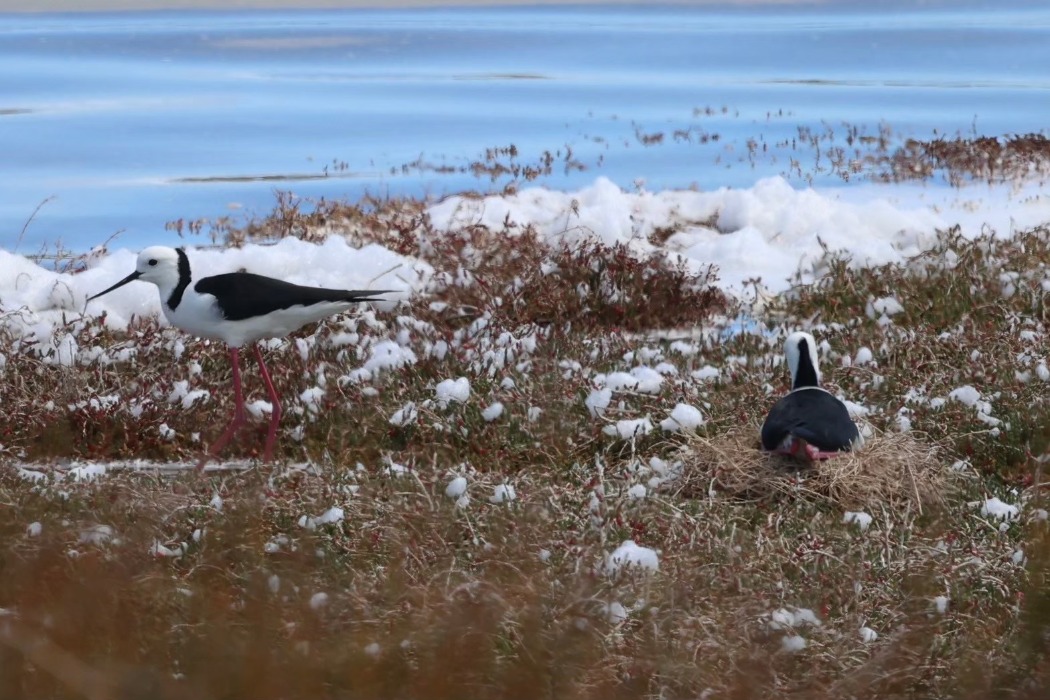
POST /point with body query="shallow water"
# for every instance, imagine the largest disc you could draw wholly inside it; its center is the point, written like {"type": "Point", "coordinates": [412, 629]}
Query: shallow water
{"type": "Point", "coordinates": [129, 120]}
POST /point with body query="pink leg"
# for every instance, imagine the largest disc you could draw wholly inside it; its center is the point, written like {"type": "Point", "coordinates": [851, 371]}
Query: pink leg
{"type": "Point", "coordinates": [812, 453]}
{"type": "Point", "coordinates": [275, 415]}
{"type": "Point", "coordinates": [793, 447]}
{"type": "Point", "coordinates": [238, 411]}
{"type": "Point", "coordinates": [800, 449]}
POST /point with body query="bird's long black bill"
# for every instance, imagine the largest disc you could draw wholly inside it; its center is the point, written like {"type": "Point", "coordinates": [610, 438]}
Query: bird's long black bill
{"type": "Point", "coordinates": [130, 278]}
{"type": "Point", "coordinates": [366, 294]}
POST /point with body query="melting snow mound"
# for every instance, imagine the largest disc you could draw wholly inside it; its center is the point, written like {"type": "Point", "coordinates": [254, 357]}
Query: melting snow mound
{"type": "Point", "coordinates": [998, 509]}
{"type": "Point", "coordinates": [683, 417]}
{"type": "Point", "coordinates": [627, 429]}
{"type": "Point", "coordinates": [630, 556]}
{"type": "Point", "coordinates": [859, 518]}
{"type": "Point", "coordinates": [450, 390]}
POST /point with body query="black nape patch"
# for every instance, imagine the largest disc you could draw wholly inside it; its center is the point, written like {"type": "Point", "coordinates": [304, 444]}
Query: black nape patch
{"type": "Point", "coordinates": [184, 279]}
{"type": "Point", "coordinates": [807, 373]}
{"type": "Point", "coordinates": [242, 295]}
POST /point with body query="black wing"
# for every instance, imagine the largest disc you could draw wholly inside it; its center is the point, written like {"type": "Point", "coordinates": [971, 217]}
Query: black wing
{"type": "Point", "coordinates": [813, 415]}
{"type": "Point", "coordinates": [242, 295]}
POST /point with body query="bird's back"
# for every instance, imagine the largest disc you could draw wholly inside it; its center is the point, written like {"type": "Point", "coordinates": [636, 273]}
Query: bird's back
{"type": "Point", "coordinates": [814, 415]}
{"type": "Point", "coordinates": [243, 295]}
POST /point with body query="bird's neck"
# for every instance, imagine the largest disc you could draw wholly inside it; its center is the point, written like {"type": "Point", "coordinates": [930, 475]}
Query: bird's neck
{"type": "Point", "coordinates": [172, 290]}
{"type": "Point", "coordinates": [806, 375]}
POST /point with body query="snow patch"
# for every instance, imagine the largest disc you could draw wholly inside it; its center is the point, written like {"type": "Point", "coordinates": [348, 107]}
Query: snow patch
{"type": "Point", "coordinates": [998, 509]}
{"type": "Point", "coordinates": [860, 519]}
{"type": "Point", "coordinates": [683, 417]}
{"type": "Point", "coordinates": [630, 556]}
{"type": "Point", "coordinates": [452, 390]}
{"type": "Point", "coordinates": [492, 412]}
{"type": "Point", "coordinates": [503, 493]}
{"type": "Point", "coordinates": [628, 429]}
{"type": "Point", "coordinates": [332, 515]}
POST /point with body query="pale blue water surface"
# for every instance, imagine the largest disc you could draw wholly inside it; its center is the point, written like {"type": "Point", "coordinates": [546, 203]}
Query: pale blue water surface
{"type": "Point", "coordinates": [125, 121]}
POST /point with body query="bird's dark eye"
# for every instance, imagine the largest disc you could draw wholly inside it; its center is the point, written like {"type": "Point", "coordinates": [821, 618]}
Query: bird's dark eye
{"type": "Point", "coordinates": [153, 262]}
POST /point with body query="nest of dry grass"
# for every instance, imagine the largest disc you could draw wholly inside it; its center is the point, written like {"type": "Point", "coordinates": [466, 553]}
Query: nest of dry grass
{"type": "Point", "coordinates": [893, 469]}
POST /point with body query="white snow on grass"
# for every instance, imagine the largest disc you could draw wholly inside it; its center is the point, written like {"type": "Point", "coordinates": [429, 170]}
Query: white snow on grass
{"type": "Point", "coordinates": [395, 470]}
{"type": "Point", "coordinates": [966, 395]}
{"type": "Point", "coordinates": [1042, 371]}
{"type": "Point", "coordinates": [181, 393]}
{"type": "Point", "coordinates": [970, 396]}
{"type": "Point", "coordinates": [683, 417]}
{"type": "Point", "coordinates": [706, 373]}
{"type": "Point", "coordinates": [644, 380]}
{"type": "Point", "coordinates": [855, 410]}
{"type": "Point", "coordinates": [615, 612]}
{"type": "Point", "coordinates": [87, 472]}
{"type": "Point", "coordinates": [648, 380]}
{"type": "Point", "coordinates": [406, 415]}
{"type": "Point", "coordinates": [98, 535]}
{"type": "Point", "coordinates": [792, 643]}
{"type": "Point", "coordinates": [312, 399]}
{"type": "Point", "coordinates": [503, 493]}
{"type": "Point", "coordinates": [492, 411]}
{"type": "Point", "coordinates": [860, 519]}
{"type": "Point", "coordinates": [769, 231]}
{"type": "Point", "coordinates": [784, 618]}
{"type": "Point", "coordinates": [42, 296]}
{"type": "Point", "coordinates": [630, 556]}
{"type": "Point", "coordinates": [259, 408]}
{"type": "Point", "coordinates": [627, 429]}
{"type": "Point", "coordinates": [452, 390]}
{"type": "Point", "coordinates": [457, 487]}
{"type": "Point", "coordinates": [332, 515]}
{"type": "Point", "coordinates": [597, 401]}
{"type": "Point", "coordinates": [886, 306]}
{"type": "Point", "coordinates": [998, 509]}
{"type": "Point", "coordinates": [387, 355]}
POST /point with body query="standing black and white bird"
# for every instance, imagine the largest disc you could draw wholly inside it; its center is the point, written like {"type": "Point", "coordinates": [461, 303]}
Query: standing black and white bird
{"type": "Point", "coordinates": [809, 422]}
{"type": "Point", "coordinates": [239, 308]}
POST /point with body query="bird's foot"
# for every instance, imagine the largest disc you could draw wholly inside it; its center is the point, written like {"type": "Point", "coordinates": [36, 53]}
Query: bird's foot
{"type": "Point", "coordinates": [802, 450]}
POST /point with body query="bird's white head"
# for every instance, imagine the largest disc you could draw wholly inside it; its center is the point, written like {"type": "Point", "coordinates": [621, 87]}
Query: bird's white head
{"type": "Point", "coordinates": [162, 266]}
{"type": "Point", "coordinates": [801, 351]}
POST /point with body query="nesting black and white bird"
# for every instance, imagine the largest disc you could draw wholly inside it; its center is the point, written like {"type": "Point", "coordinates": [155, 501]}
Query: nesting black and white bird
{"type": "Point", "coordinates": [238, 308]}
{"type": "Point", "coordinates": [809, 422]}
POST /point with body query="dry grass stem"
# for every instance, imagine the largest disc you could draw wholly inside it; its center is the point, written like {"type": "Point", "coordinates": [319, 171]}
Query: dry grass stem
{"type": "Point", "coordinates": [892, 470]}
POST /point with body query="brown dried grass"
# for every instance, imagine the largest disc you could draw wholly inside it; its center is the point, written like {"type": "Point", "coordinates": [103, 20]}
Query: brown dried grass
{"type": "Point", "coordinates": [892, 469]}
